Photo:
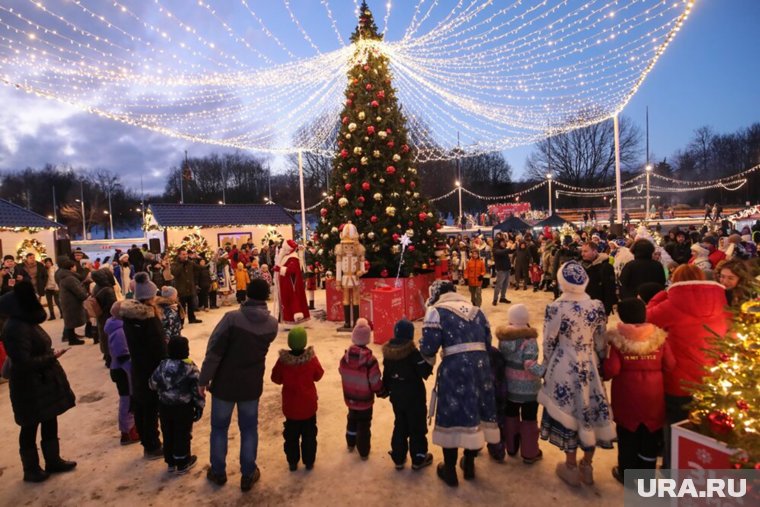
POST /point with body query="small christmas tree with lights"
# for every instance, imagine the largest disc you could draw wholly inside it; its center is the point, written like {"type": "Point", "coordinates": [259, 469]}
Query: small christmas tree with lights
{"type": "Point", "coordinates": [374, 182]}
{"type": "Point", "coordinates": [727, 405]}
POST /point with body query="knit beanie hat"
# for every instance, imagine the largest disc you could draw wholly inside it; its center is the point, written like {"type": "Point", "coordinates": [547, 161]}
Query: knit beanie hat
{"type": "Point", "coordinates": [518, 316]}
{"type": "Point", "coordinates": [632, 311]}
{"type": "Point", "coordinates": [168, 292]}
{"type": "Point", "coordinates": [297, 338]}
{"type": "Point", "coordinates": [144, 288]}
{"type": "Point", "coordinates": [572, 278]}
{"type": "Point", "coordinates": [179, 348]}
{"type": "Point", "coordinates": [648, 290]}
{"type": "Point", "coordinates": [258, 290]}
{"type": "Point", "coordinates": [361, 333]}
{"type": "Point", "coordinates": [403, 332]}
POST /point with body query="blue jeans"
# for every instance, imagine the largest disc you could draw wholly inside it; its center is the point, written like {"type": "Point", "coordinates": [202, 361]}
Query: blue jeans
{"type": "Point", "coordinates": [248, 421]}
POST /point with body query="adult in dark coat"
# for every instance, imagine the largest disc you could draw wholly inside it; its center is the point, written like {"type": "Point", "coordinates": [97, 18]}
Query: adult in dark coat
{"type": "Point", "coordinates": [136, 258]}
{"type": "Point", "coordinates": [601, 276]}
{"type": "Point", "coordinates": [680, 251]}
{"type": "Point", "coordinates": [503, 267]}
{"type": "Point", "coordinates": [147, 346]}
{"type": "Point", "coordinates": [204, 284]}
{"type": "Point", "coordinates": [185, 274]}
{"type": "Point", "coordinates": [39, 389]}
{"type": "Point", "coordinates": [105, 295]}
{"type": "Point", "coordinates": [37, 272]}
{"type": "Point", "coordinates": [72, 295]}
{"type": "Point", "coordinates": [643, 269]}
{"type": "Point", "coordinates": [11, 273]}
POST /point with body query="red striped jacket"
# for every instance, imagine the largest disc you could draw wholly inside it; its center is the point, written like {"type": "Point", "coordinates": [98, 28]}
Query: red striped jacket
{"type": "Point", "coordinates": [361, 377]}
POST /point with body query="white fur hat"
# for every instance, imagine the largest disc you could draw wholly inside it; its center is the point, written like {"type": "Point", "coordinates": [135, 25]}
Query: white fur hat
{"type": "Point", "coordinates": [572, 278]}
{"type": "Point", "coordinates": [518, 316]}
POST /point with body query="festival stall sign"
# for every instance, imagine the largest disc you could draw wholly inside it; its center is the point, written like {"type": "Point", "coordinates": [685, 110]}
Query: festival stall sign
{"type": "Point", "coordinates": [692, 450]}
{"type": "Point", "coordinates": [23, 231]}
{"type": "Point", "coordinates": [214, 225]}
{"type": "Point", "coordinates": [504, 210]}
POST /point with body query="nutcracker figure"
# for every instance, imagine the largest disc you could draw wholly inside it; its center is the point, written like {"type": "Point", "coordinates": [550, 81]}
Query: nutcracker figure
{"type": "Point", "coordinates": [310, 260]}
{"type": "Point", "coordinates": [349, 263]}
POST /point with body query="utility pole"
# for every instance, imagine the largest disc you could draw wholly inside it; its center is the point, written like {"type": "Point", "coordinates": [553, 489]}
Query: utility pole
{"type": "Point", "coordinates": [224, 181]}
{"type": "Point", "coordinates": [81, 198]}
{"type": "Point", "coordinates": [110, 211]}
{"type": "Point", "coordinates": [182, 181]}
{"type": "Point", "coordinates": [459, 185]}
{"type": "Point", "coordinates": [55, 207]}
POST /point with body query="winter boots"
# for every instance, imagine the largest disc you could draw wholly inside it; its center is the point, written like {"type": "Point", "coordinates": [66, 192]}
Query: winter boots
{"type": "Point", "coordinates": [512, 430]}
{"type": "Point", "coordinates": [467, 464]}
{"type": "Point", "coordinates": [70, 336]}
{"type": "Point", "coordinates": [311, 304]}
{"type": "Point", "coordinates": [529, 441]}
{"type": "Point", "coordinates": [31, 463]}
{"type": "Point", "coordinates": [53, 461]}
{"type": "Point", "coordinates": [448, 474]}
{"type": "Point", "coordinates": [569, 474]}
{"type": "Point", "coordinates": [132, 437]}
{"type": "Point", "coordinates": [349, 317]}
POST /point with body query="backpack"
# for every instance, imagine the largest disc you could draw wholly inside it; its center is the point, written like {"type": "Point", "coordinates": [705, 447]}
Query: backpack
{"type": "Point", "coordinates": [92, 307]}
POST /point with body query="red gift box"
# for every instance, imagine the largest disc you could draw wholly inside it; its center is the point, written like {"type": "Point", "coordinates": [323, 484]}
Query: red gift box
{"type": "Point", "coordinates": [414, 292]}
{"type": "Point", "coordinates": [387, 309]}
{"type": "Point", "coordinates": [692, 450]}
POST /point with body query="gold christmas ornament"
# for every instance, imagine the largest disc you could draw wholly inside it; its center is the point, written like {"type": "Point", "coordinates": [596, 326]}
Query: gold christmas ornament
{"type": "Point", "coordinates": [390, 211]}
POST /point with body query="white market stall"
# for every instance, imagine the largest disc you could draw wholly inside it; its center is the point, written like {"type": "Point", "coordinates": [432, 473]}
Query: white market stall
{"type": "Point", "coordinates": [217, 224]}
{"type": "Point", "coordinates": [23, 231]}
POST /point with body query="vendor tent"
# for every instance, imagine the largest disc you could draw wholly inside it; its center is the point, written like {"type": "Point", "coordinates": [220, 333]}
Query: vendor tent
{"type": "Point", "coordinates": [511, 224]}
{"type": "Point", "coordinates": [552, 221]}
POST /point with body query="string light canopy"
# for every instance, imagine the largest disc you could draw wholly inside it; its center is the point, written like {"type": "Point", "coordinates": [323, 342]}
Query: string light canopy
{"type": "Point", "coordinates": [238, 74]}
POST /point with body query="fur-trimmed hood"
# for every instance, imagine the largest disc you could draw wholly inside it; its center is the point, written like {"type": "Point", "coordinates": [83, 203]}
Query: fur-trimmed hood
{"type": "Point", "coordinates": [395, 352]}
{"type": "Point", "coordinates": [133, 309]}
{"type": "Point", "coordinates": [638, 339]}
{"type": "Point", "coordinates": [510, 333]}
{"type": "Point", "coordinates": [293, 360]}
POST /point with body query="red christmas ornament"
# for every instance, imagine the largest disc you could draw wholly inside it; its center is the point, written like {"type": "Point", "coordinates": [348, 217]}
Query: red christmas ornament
{"type": "Point", "coordinates": [349, 102]}
{"type": "Point", "coordinates": [742, 405]}
{"type": "Point", "coordinates": [323, 212]}
{"type": "Point", "coordinates": [366, 265]}
{"type": "Point", "coordinates": [724, 357]}
{"type": "Point", "coordinates": [384, 273]}
{"type": "Point", "coordinates": [412, 184]}
{"type": "Point", "coordinates": [381, 94]}
{"type": "Point", "coordinates": [354, 170]}
{"type": "Point", "coordinates": [344, 153]}
{"type": "Point", "coordinates": [356, 81]}
{"type": "Point", "coordinates": [340, 227]}
{"type": "Point", "coordinates": [410, 223]}
{"type": "Point", "coordinates": [358, 212]}
{"type": "Point", "coordinates": [365, 185]}
{"type": "Point", "coordinates": [388, 131]}
{"type": "Point", "coordinates": [757, 466]}
{"type": "Point", "coordinates": [370, 130]}
{"type": "Point", "coordinates": [366, 68]}
{"type": "Point", "coordinates": [391, 144]}
{"type": "Point", "coordinates": [373, 219]}
{"type": "Point", "coordinates": [422, 217]}
{"type": "Point", "coordinates": [375, 103]}
{"type": "Point", "coordinates": [369, 86]}
{"type": "Point", "coordinates": [345, 120]}
{"type": "Point", "coordinates": [390, 169]}
{"type": "Point", "coordinates": [395, 236]}
{"type": "Point", "coordinates": [405, 148]}
{"type": "Point", "coordinates": [438, 225]}
{"type": "Point", "coordinates": [402, 180]}
{"type": "Point", "coordinates": [351, 95]}
{"type": "Point", "coordinates": [410, 248]}
{"type": "Point", "coordinates": [720, 422]}
{"type": "Point", "coordinates": [340, 143]}
{"type": "Point", "coordinates": [361, 198]}
{"type": "Point", "coordinates": [347, 186]}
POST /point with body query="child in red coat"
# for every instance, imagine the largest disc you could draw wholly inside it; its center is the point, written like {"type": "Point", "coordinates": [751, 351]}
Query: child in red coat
{"type": "Point", "coordinates": [638, 358]}
{"type": "Point", "coordinates": [297, 370]}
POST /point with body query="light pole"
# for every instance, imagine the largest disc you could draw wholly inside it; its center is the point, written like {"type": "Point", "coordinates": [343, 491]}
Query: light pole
{"type": "Point", "coordinates": [549, 180]}
{"type": "Point", "coordinates": [81, 200]}
{"type": "Point", "coordinates": [461, 221]}
{"type": "Point", "coordinates": [110, 214]}
{"type": "Point", "coordinates": [649, 171]}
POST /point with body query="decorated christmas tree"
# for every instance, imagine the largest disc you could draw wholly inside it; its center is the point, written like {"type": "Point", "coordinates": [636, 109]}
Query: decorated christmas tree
{"type": "Point", "coordinates": [727, 405]}
{"type": "Point", "coordinates": [374, 181]}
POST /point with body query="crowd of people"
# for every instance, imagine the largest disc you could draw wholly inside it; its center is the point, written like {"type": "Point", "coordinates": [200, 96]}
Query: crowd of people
{"type": "Point", "coordinates": [665, 290]}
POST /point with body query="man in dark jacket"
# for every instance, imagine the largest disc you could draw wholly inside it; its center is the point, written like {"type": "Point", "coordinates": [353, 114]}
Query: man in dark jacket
{"type": "Point", "coordinates": [11, 273]}
{"type": "Point", "coordinates": [38, 275]}
{"type": "Point", "coordinates": [680, 251]}
{"type": "Point", "coordinates": [185, 274]}
{"type": "Point", "coordinates": [503, 266]}
{"type": "Point", "coordinates": [72, 296]}
{"type": "Point", "coordinates": [233, 371]}
{"type": "Point", "coordinates": [643, 269]}
{"type": "Point", "coordinates": [147, 346]}
{"type": "Point", "coordinates": [601, 276]}
{"type": "Point", "coordinates": [136, 258]}
{"type": "Point", "coordinates": [106, 297]}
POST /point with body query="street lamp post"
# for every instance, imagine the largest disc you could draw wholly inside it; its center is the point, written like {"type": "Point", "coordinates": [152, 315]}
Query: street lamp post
{"type": "Point", "coordinates": [649, 171]}
{"type": "Point", "coordinates": [461, 217]}
{"type": "Point", "coordinates": [110, 214]}
{"type": "Point", "coordinates": [549, 179]}
{"type": "Point", "coordinates": [81, 200]}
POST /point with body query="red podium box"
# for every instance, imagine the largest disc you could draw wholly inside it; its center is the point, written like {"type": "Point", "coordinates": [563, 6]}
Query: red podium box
{"type": "Point", "coordinates": [692, 450]}
{"type": "Point", "coordinates": [387, 309]}
{"type": "Point", "coordinates": [414, 292]}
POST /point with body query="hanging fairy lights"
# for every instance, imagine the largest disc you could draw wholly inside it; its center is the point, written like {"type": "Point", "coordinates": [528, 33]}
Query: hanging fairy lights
{"type": "Point", "coordinates": [221, 72]}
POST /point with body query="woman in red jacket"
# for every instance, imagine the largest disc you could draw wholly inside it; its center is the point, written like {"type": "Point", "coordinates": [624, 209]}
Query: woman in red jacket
{"type": "Point", "coordinates": [686, 310]}
{"type": "Point", "coordinates": [297, 370]}
{"type": "Point", "coordinates": [639, 354]}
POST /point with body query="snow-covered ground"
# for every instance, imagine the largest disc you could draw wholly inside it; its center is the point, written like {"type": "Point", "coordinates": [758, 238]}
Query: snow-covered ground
{"type": "Point", "coordinates": [109, 474]}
